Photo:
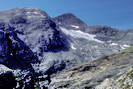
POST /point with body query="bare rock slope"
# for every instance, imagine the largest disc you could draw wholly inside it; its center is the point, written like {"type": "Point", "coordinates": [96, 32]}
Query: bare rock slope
{"type": "Point", "coordinates": [109, 72]}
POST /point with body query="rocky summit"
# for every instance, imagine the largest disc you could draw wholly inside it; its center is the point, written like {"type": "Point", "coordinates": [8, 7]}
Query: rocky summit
{"type": "Point", "coordinates": [42, 52]}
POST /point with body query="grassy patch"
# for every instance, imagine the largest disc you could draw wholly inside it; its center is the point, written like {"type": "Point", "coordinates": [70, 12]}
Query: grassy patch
{"type": "Point", "coordinates": [128, 49]}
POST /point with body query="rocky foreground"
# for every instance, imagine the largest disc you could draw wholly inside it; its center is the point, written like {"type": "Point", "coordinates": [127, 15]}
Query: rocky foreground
{"type": "Point", "coordinates": [41, 52]}
{"type": "Point", "coordinates": [109, 72]}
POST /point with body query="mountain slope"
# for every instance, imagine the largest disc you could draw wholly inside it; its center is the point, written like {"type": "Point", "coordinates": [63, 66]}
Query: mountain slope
{"type": "Point", "coordinates": [109, 72]}
{"type": "Point", "coordinates": [53, 43]}
{"type": "Point", "coordinates": [35, 46]}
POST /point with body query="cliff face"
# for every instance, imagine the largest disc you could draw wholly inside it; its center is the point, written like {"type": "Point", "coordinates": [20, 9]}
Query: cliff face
{"type": "Point", "coordinates": [13, 50]}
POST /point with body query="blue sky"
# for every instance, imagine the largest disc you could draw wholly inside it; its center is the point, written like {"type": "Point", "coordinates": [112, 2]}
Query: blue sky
{"type": "Point", "coordinates": [115, 13]}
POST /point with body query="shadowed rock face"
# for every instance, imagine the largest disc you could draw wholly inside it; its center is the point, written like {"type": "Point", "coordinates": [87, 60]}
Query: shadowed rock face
{"type": "Point", "coordinates": [52, 40]}
{"type": "Point", "coordinates": [7, 81]}
{"type": "Point", "coordinates": [16, 55]}
{"type": "Point", "coordinates": [13, 50]}
{"type": "Point", "coordinates": [4, 49]}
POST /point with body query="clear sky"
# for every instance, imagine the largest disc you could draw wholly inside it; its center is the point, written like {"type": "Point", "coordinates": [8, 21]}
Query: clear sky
{"type": "Point", "coordinates": [115, 13]}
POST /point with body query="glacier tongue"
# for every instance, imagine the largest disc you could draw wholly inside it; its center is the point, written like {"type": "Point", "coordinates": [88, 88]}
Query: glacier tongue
{"type": "Point", "coordinates": [80, 34]}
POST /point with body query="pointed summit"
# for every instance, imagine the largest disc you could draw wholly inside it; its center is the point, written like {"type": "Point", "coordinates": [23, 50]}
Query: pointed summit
{"type": "Point", "coordinates": [70, 21]}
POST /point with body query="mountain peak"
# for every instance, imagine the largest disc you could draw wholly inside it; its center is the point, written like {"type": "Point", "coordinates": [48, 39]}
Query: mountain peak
{"type": "Point", "coordinates": [68, 15]}
{"type": "Point", "coordinates": [25, 10]}
{"type": "Point", "coordinates": [70, 21]}
{"type": "Point", "coordinates": [27, 13]}
{"type": "Point", "coordinates": [69, 18]}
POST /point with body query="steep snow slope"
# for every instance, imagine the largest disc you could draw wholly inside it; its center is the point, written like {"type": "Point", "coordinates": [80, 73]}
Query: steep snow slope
{"type": "Point", "coordinates": [80, 34]}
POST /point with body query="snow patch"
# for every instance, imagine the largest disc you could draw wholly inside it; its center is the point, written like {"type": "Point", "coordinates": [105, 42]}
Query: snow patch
{"type": "Point", "coordinates": [72, 46]}
{"type": "Point", "coordinates": [74, 26]}
{"type": "Point", "coordinates": [124, 46]}
{"type": "Point", "coordinates": [28, 13]}
{"type": "Point", "coordinates": [4, 69]}
{"type": "Point", "coordinates": [121, 46]}
{"type": "Point", "coordinates": [80, 34]}
{"type": "Point", "coordinates": [33, 14]}
{"type": "Point", "coordinates": [36, 13]}
{"type": "Point", "coordinates": [114, 44]}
